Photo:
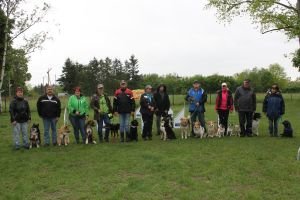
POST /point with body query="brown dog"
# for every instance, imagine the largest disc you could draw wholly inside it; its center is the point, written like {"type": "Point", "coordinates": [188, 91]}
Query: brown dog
{"type": "Point", "coordinates": [63, 135]}
{"type": "Point", "coordinates": [184, 127]}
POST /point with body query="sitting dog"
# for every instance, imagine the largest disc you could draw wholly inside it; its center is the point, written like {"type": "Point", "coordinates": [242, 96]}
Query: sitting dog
{"type": "Point", "coordinates": [198, 130]}
{"type": "Point", "coordinates": [287, 130]}
{"type": "Point", "coordinates": [229, 129]}
{"type": "Point", "coordinates": [236, 131]}
{"type": "Point", "coordinates": [255, 123]}
{"type": "Point", "coordinates": [63, 135]}
{"type": "Point", "coordinates": [35, 136]}
{"type": "Point", "coordinates": [221, 131]}
{"type": "Point", "coordinates": [184, 127]}
{"type": "Point", "coordinates": [211, 129]}
{"type": "Point", "coordinates": [166, 128]}
{"type": "Point", "coordinates": [134, 130]}
{"type": "Point", "coordinates": [114, 130]}
{"type": "Point", "coordinates": [89, 132]}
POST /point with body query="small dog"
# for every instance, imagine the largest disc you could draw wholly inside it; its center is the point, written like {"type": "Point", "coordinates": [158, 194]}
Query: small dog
{"type": "Point", "coordinates": [114, 130]}
{"type": "Point", "coordinates": [63, 135]}
{"type": "Point", "coordinates": [89, 132]}
{"type": "Point", "coordinates": [255, 123]}
{"type": "Point", "coordinates": [166, 128]}
{"type": "Point", "coordinates": [236, 131]}
{"type": "Point", "coordinates": [134, 130]}
{"type": "Point", "coordinates": [198, 130]}
{"type": "Point", "coordinates": [35, 136]}
{"type": "Point", "coordinates": [287, 130]}
{"type": "Point", "coordinates": [220, 131]}
{"type": "Point", "coordinates": [211, 129]}
{"type": "Point", "coordinates": [184, 127]}
{"type": "Point", "coordinates": [229, 129]}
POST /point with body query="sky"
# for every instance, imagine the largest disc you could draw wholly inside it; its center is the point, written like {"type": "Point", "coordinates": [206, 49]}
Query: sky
{"type": "Point", "coordinates": [167, 36]}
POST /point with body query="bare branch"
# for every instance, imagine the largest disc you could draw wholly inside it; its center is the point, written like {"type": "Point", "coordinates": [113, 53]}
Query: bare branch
{"type": "Point", "coordinates": [277, 29]}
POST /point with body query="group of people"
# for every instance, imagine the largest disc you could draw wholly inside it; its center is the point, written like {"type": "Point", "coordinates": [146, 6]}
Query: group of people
{"type": "Point", "coordinates": [157, 103]}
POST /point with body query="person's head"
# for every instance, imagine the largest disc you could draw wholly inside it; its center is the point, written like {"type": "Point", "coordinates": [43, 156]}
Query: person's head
{"type": "Point", "coordinates": [49, 90]}
{"type": "Point", "coordinates": [162, 88]}
{"type": "Point", "coordinates": [19, 92]}
{"type": "Point", "coordinates": [224, 86]}
{"type": "Point", "coordinates": [148, 89]}
{"type": "Point", "coordinates": [196, 84]}
{"type": "Point", "coordinates": [123, 84]}
{"type": "Point", "coordinates": [77, 91]}
{"type": "Point", "coordinates": [100, 89]}
{"type": "Point", "coordinates": [246, 83]}
{"type": "Point", "coordinates": [274, 88]}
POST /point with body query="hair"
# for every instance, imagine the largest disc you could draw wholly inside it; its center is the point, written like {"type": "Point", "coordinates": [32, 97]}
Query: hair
{"type": "Point", "coordinates": [276, 86]}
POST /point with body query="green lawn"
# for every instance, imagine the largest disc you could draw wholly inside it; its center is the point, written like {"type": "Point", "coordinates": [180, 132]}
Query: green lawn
{"type": "Point", "coordinates": [227, 168]}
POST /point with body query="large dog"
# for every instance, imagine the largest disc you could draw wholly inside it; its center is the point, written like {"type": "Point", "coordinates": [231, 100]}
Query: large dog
{"type": "Point", "coordinates": [134, 130]}
{"type": "Point", "coordinates": [287, 130]}
{"type": "Point", "coordinates": [35, 136]}
{"type": "Point", "coordinates": [255, 123]}
{"type": "Point", "coordinates": [114, 130]}
{"type": "Point", "coordinates": [89, 132]}
{"type": "Point", "coordinates": [166, 128]}
{"type": "Point", "coordinates": [198, 130]}
{"type": "Point", "coordinates": [63, 135]}
{"type": "Point", "coordinates": [184, 127]}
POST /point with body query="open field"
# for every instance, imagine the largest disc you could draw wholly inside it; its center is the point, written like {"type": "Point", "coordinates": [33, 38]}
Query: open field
{"type": "Point", "coordinates": [227, 168]}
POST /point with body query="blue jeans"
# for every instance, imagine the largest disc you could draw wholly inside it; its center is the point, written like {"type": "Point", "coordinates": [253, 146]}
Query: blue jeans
{"type": "Point", "coordinates": [49, 122]}
{"type": "Point", "coordinates": [78, 125]}
{"type": "Point", "coordinates": [124, 122]}
{"type": "Point", "coordinates": [273, 126]}
{"type": "Point", "coordinates": [103, 118]}
{"type": "Point", "coordinates": [18, 129]}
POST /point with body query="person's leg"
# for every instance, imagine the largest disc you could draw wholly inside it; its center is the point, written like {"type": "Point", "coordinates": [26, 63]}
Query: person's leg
{"type": "Point", "coordinates": [276, 120]}
{"type": "Point", "coordinates": [271, 128]}
{"type": "Point", "coordinates": [202, 120]}
{"type": "Point", "coordinates": [158, 119]}
{"type": "Point", "coordinates": [46, 123]}
{"type": "Point", "coordinates": [53, 129]}
{"type": "Point", "coordinates": [145, 127]}
{"type": "Point", "coordinates": [150, 127]}
{"type": "Point", "coordinates": [81, 124]}
{"type": "Point", "coordinates": [249, 118]}
{"type": "Point", "coordinates": [16, 135]}
{"type": "Point", "coordinates": [100, 128]}
{"type": "Point", "coordinates": [127, 126]}
{"type": "Point", "coordinates": [24, 130]}
{"type": "Point", "coordinates": [122, 125]}
{"type": "Point", "coordinates": [226, 115]}
{"type": "Point", "coordinates": [106, 122]}
{"type": "Point", "coordinates": [193, 119]}
{"type": "Point", "coordinates": [242, 121]}
{"type": "Point", "coordinates": [74, 123]}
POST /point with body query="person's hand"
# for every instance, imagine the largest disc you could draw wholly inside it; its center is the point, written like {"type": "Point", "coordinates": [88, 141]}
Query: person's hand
{"type": "Point", "coordinates": [77, 113]}
{"type": "Point", "coordinates": [115, 113]}
{"type": "Point", "coordinates": [132, 114]}
{"type": "Point", "coordinates": [197, 104]}
{"type": "Point", "coordinates": [14, 123]}
{"type": "Point", "coordinates": [99, 110]}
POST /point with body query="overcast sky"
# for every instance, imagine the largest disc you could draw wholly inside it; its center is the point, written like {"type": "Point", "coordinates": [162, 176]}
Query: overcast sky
{"type": "Point", "coordinates": [167, 36]}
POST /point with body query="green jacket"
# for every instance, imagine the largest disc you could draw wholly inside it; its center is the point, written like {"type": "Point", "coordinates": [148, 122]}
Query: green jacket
{"type": "Point", "coordinates": [81, 105]}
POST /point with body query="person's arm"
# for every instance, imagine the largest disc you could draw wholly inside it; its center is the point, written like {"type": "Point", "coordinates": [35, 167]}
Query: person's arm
{"type": "Point", "coordinates": [282, 106]}
{"type": "Point", "coordinates": [86, 107]}
{"type": "Point", "coordinates": [115, 103]}
{"type": "Point", "coordinates": [28, 111]}
{"type": "Point", "coordinates": [217, 101]}
{"type": "Point", "coordinates": [265, 104]}
{"type": "Point", "coordinates": [110, 109]}
{"type": "Point", "coordinates": [168, 104]}
{"type": "Point", "coordinates": [230, 102]}
{"type": "Point", "coordinates": [236, 98]}
{"type": "Point", "coordinates": [12, 112]}
{"type": "Point", "coordinates": [58, 108]}
{"type": "Point", "coordinates": [254, 101]}
{"type": "Point", "coordinates": [39, 106]}
{"type": "Point", "coordinates": [71, 109]}
{"type": "Point", "coordinates": [203, 99]}
{"type": "Point", "coordinates": [132, 102]}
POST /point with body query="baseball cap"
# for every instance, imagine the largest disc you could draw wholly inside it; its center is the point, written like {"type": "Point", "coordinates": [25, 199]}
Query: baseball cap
{"type": "Point", "coordinates": [224, 84]}
{"type": "Point", "coordinates": [100, 86]}
{"type": "Point", "coordinates": [148, 86]}
{"type": "Point", "coordinates": [196, 81]}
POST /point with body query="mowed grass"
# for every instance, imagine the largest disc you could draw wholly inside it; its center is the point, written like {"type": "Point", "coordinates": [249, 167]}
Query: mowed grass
{"type": "Point", "coordinates": [227, 168]}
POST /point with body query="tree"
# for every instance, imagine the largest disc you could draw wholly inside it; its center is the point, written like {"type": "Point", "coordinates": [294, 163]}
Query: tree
{"type": "Point", "coordinates": [271, 15]}
{"type": "Point", "coordinates": [70, 76]}
{"type": "Point", "coordinates": [132, 68]}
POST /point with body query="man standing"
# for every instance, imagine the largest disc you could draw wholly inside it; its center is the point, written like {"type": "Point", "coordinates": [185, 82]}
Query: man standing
{"type": "Point", "coordinates": [102, 111]}
{"type": "Point", "coordinates": [162, 101]}
{"type": "Point", "coordinates": [49, 107]}
{"type": "Point", "coordinates": [124, 105]}
{"type": "Point", "coordinates": [245, 105]}
{"type": "Point", "coordinates": [197, 97]}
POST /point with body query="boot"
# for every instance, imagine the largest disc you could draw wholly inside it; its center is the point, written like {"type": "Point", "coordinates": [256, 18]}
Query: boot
{"type": "Point", "coordinates": [122, 136]}
{"type": "Point", "coordinates": [106, 136]}
{"type": "Point", "coordinates": [100, 137]}
{"type": "Point", "coordinates": [127, 137]}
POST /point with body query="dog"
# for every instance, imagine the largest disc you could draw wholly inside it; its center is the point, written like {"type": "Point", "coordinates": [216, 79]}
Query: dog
{"type": "Point", "coordinates": [166, 128]}
{"type": "Point", "coordinates": [134, 130]}
{"type": "Point", "coordinates": [255, 123]}
{"type": "Point", "coordinates": [211, 129]}
{"type": "Point", "coordinates": [220, 131]}
{"type": "Point", "coordinates": [229, 129]}
{"type": "Point", "coordinates": [184, 127]}
{"type": "Point", "coordinates": [63, 135]}
{"type": "Point", "coordinates": [236, 131]}
{"type": "Point", "coordinates": [198, 130]}
{"type": "Point", "coordinates": [35, 136]}
{"type": "Point", "coordinates": [114, 130]}
{"type": "Point", "coordinates": [89, 132]}
{"type": "Point", "coordinates": [287, 130]}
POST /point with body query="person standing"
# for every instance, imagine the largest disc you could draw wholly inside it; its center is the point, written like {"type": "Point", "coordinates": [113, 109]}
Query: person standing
{"type": "Point", "coordinates": [147, 103]}
{"type": "Point", "coordinates": [124, 105]}
{"type": "Point", "coordinates": [162, 102]}
{"type": "Point", "coordinates": [224, 104]}
{"type": "Point", "coordinates": [274, 108]}
{"type": "Point", "coordinates": [102, 111]}
{"type": "Point", "coordinates": [197, 97]}
{"type": "Point", "coordinates": [20, 117]}
{"type": "Point", "coordinates": [49, 108]}
{"type": "Point", "coordinates": [78, 112]}
{"type": "Point", "coordinates": [245, 105]}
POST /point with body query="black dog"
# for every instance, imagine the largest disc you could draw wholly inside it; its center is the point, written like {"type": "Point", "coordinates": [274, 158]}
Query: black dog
{"type": "Point", "coordinates": [134, 130]}
{"type": "Point", "coordinates": [168, 125]}
{"type": "Point", "coordinates": [114, 130]}
{"type": "Point", "coordinates": [35, 136]}
{"type": "Point", "coordinates": [288, 130]}
{"type": "Point", "coordinates": [256, 116]}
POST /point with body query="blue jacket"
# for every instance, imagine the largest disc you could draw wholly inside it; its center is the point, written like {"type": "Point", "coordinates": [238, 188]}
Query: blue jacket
{"type": "Point", "coordinates": [273, 105]}
{"type": "Point", "coordinates": [193, 97]}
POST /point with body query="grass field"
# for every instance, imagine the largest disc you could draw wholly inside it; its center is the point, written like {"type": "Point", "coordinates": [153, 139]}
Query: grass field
{"type": "Point", "coordinates": [227, 168]}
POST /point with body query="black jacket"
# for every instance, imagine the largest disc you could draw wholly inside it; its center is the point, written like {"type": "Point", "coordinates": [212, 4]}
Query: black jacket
{"type": "Point", "coordinates": [19, 110]}
{"type": "Point", "coordinates": [274, 105]}
{"type": "Point", "coordinates": [123, 101]}
{"type": "Point", "coordinates": [162, 102]}
{"type": "Point", "coordinates": [48, 108]}
{"type": "Point", "coordinates": [244, 99]}
{"type": "Point", "coordinates": [145, 102]}
{"type": "Point", "coordinates": [96, 106]}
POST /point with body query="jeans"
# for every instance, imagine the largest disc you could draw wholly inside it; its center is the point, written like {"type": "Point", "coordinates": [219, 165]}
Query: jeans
{"type": "Point", "coordinates": [103, 118]}
{"type": "Point", "coordinates": [20, 128]}
{"type": "Point", "coordinates": [200, 116]}
{"type": "Point", "coordinates": [50, 122]}
{"type": "Point", "coordinates": [124, 125]}
{"type": "Point", "coordinates": [158, 119]}
{"type": "Point", "coordinates": [273, 126]}
{"type": "Point", "coordinates": [223, 117]}
{"type": "Point", "coordinates": [78, 125]}
{"type": "Point", "coordinates": [147, 129]}
{"type": "Point", "coordinates": [245, 118]}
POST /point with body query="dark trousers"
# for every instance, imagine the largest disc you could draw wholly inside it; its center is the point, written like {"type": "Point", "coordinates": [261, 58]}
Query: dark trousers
{"type": "Point", "coordinates": [223, 117]}
{"type": "Point", "coordinates": [273, 126]}
{"type": "Point", "coordinates": [147, 129]}
{"type": "Point", "coordinates": [245, 118]}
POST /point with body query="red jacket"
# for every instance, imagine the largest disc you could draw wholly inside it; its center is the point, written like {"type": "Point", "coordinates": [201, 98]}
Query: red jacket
{"type": "Point", "coordinates": [229, 100]}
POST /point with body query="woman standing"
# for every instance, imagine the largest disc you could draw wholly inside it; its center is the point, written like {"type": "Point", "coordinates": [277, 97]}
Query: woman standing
{"type": "Point", "coordinates": [224, 104]}
{"type": "Point", "coordinates": [147, 110]}
{"type": "Point", "coordinates": [78, 112]}
{"type": "Point", "coordinates": [20, 117]}
{"type": "Point", "coordinates": [274, 107]}
{"type": "Point", "coordinates": [162, 102]}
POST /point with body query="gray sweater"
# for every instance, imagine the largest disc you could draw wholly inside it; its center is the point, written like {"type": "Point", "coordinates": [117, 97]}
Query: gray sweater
{"type": "Point", "coordinates": [245, 99]}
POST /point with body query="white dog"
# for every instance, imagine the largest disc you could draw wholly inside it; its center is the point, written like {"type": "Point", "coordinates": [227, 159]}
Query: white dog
{"type": "Point", "coordinates": [229, 129]}
{"type": "Point", "coordinates": [255, 123]}
{"type": "Point", "coordinates": [236, 130]}
{"type": "Point", "coordinates": [221, 131]}
{"type": "Point", "coordinates": [199, 130]}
